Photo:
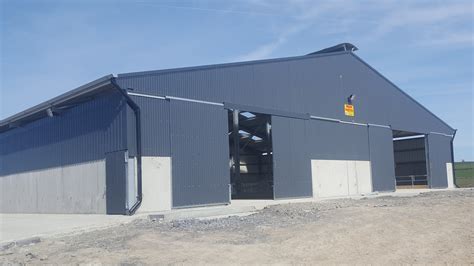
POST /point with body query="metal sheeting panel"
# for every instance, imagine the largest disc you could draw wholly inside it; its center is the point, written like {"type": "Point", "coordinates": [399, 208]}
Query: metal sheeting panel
{"type": "Point", "coordinates": [316, 85]}
{"type": "Point", "coordinates": [319, 85]}
{"type": "Point", "coordinates": [291, 164]}
{"type": "Point", "coordinates": [200, 154]}
{"type": "Point", "coordinates": [116, 175]}
{"type": "Point", "coordinates": [439, 153]}
{"type": "Point", "coordinates": [382, 159]}
{"type": "Point", "coordinates": [131, 132]}
{"type": "Point", "coordinates": [82, 133]}
{"type": "Point", "coordinates": [155, 126]}
{"type": "Point", "coordinates": [337, 141]}
{"type": "Point", "coordinates": [385, 103]}
{"type": "Point", "coordinates": [268, 88]}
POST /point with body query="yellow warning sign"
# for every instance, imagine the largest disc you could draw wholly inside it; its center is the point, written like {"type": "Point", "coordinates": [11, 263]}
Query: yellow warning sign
{"type": "Point", "coordinates": [349, 109]}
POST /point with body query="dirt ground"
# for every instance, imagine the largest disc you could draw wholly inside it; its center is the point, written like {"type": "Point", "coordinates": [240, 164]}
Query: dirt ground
{"type": "Point", "coordinates": [432, 228]}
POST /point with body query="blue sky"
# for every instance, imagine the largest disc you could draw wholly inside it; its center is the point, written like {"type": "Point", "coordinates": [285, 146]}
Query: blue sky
{"type": "Point", "coordinates": [425, 47]}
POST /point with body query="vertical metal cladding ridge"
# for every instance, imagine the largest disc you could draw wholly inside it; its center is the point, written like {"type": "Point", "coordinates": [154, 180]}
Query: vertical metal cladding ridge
{"type": "Point", "coordinates": [136, 110]}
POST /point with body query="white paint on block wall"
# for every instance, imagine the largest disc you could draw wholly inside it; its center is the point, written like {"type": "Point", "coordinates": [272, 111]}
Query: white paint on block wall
{"type": "Point", "coordinates": [156, 184]}
{"type": "Point", "coordinates": [449, 171]}
{"type": "Point", "coordinates": [335, 178]}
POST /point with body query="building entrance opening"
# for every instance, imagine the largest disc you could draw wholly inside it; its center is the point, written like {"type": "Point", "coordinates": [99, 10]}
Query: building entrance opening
{"type": "Point", "coordinates": [251, 155]}
{"type": "Point", "coordinates": [411, 170]}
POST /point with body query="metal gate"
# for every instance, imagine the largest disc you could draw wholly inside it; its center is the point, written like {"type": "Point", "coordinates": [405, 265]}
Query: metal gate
{"type": "Point", "coordinates": [200, 154]}
{"type": "Point", "coordinates": [291, 164]}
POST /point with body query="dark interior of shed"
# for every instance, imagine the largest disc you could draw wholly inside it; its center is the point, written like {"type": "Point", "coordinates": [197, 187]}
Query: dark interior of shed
{"type": "Point", "coordinates": [411, 169]}
{"type": "Point", "coordinates": [251, 155]}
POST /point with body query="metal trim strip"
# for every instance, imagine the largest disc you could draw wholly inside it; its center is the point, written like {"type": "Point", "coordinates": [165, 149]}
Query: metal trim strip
{"type": "Point", "coordinates": [353, 123]}
{"type": "Point", "coordinates": [271, 112]}
{"type": "Point", "coordinates": [263, 110]}
{"type": "Point", "coordinates": [441, 134]}
{"type": "Point", "coordinates": [376, 125]}
{"type": "Point", "coordinates": [192, 100]}
{"type": "Point", "coordinates": [146, 95]}
{"type": "Point", "coordinates": [324, 118]}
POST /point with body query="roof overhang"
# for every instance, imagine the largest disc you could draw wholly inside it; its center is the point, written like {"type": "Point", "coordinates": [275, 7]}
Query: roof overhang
{"type": "Point", "coordinates": [342, 47]}
{"type": "Point", "coordinates": [62, 101]}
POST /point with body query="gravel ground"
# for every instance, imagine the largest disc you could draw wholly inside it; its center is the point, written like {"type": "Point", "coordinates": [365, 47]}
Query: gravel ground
{"type": "Point", "coordinates": [434, 227]}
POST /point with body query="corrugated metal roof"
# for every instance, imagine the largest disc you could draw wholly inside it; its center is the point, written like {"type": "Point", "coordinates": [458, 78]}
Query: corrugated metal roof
{"type": "Point", "coordinates": [253, 62]}
{"type": "Point", "coordinates": [86, 89]}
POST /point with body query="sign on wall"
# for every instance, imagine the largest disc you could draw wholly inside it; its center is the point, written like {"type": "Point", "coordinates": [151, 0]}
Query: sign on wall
{"type": "Point", "coordinates": [349, 109]}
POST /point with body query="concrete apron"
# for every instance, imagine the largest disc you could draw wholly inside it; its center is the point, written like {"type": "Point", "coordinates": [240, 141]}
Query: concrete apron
{"type": "Point", "coordinates": [24, 229]}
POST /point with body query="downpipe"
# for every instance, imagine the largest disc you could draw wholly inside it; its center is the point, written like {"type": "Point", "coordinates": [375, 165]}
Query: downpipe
{"type": "Point", "coordinates": [136, 111]}
{"type": "Point", "coordinates": [452, 157]}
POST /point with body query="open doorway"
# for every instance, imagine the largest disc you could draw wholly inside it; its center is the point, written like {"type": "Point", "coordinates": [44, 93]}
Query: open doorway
{"type": "Point", "coordinates": [251, 155]}
{"type": "Point", "coordinates": [411, 169]}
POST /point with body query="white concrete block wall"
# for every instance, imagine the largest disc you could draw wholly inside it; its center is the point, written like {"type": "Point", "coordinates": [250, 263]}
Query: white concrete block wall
{"type": "Point", "coordinates": [449, 171]}
{"type": "Point", "coordinates": [336, 178]}
{"type": "Point", "coordinates": [156, 184]}
{"type": "Point", "coordinates": [131, 182]}
{"type": "Point", "coordinates": [363, 171]}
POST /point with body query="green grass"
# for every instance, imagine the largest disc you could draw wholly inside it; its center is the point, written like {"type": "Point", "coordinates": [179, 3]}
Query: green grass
{"type": "Point", "coordinates": [464, 172]}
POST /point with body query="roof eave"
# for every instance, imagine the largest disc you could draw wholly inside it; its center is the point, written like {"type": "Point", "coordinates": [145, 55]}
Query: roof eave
{"type": "Point", "coordinates": [402, 91]}
{"type": "Point", "coordinates": [77, 92]}
{"type": "Point", "coordinates": [233, 64]}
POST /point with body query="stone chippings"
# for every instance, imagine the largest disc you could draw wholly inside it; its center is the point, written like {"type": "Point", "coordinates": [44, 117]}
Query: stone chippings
{"type": "Point", "coordinates": [252, 228]}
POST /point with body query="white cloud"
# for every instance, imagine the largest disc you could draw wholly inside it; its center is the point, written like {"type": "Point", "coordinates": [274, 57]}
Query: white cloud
{"type": "Point", "coordinates": [436, 24]}
{"type": "Point", "coordinates": [418, 16]}
{"type": "Point", "coordinates": [446, 38]}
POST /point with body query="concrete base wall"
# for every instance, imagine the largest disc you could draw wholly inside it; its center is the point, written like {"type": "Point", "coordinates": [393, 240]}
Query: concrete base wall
{"type": "Point", "coordinates": [335, 178]}
{"type": "Point", "coordinates": [132, 191]}
{"type": "Point", "coordinates": [78, 188]}
{"type": "Point", "coordinates": [449, 172]}
{"type": "Point", "coordinates": [156, 180]}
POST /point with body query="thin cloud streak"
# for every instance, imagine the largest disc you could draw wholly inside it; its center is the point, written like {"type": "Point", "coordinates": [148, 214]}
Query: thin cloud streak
{"type": "Point", "coordinates": [266, 50]}
{"type": "Point", "coordinates": [390, 16]}
{"type": "Point", "coordinates": [308, 15]}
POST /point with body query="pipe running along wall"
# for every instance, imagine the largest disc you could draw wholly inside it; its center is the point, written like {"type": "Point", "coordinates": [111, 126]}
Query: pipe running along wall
{"type": "Point", "coordinates": [136, 111]}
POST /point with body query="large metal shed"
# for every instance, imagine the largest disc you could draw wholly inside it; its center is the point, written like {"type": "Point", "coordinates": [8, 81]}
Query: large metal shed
{"type": "Point", "coordinates": [320, 125]}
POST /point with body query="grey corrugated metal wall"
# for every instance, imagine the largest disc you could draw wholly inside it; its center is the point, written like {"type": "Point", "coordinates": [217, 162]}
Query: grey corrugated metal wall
{"type": "Point", "coordinates": [155, 126]}
{"type": "Point", "coordinates": [115, 164]}
{"type": "Point", "coordinates": [382, 159]}
{"type": "Point", "coordinates": [439, 153]}
{"type": "Point", "coordinates": [291, 167]}
{"type": "Point", "coordinates": [83, 133]}
{"type": "Point", "coordinates": [335, 141]}
{"type": "Point", "coordinates": [50, 156]}
{"type": "Point", "coordinates": [200, 154]}
{"type": "Point", "coordinates": [318, 85]}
